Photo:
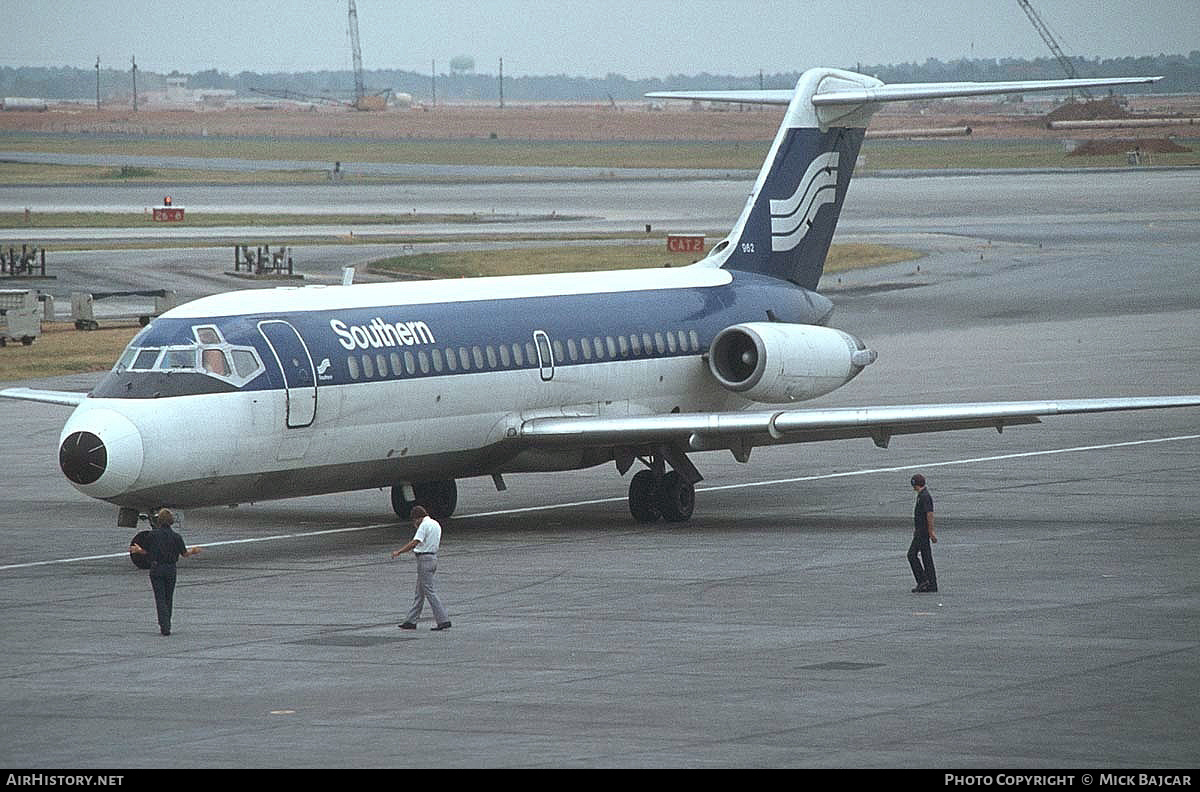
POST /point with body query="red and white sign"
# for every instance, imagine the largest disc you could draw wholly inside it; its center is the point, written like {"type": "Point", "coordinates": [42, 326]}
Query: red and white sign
{"type": "Point", "coordinates": [167, 214]}
{"type": "Point", "coordinates": [685, 243]}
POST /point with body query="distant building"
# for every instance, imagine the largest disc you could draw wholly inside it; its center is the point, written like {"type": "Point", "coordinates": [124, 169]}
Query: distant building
{"type": "Point", "coordinates": [24, 103]}
{"type": "Point", "coordinates": [179, 94]}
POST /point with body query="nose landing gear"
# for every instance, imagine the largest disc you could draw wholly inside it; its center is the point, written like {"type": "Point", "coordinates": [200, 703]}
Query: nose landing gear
{"type": "Point", "coordinates": [128, 518]}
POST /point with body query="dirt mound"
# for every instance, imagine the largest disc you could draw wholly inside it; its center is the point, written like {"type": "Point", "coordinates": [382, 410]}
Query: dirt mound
{"type": "Point", "coordinates": [1152, 145]}
{"type": "Point", "coordinates": [1095, 110]}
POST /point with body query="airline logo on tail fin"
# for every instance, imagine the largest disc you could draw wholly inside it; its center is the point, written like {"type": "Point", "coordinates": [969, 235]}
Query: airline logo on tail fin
{"type": "Point", "coordinates": [792, 217]}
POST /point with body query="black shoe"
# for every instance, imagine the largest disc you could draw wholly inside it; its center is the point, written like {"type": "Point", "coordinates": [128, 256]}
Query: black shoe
{"type": "Point", "coordinates": [442, 626]}
{"type": "Point", "coordinates": [408, 626]}
{"type": "Point", "coordinates": [931, 589]}
{"type": "Point", "coordinates": [165, 632]}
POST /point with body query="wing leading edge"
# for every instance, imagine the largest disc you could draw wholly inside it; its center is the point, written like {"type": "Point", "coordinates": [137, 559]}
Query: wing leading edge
{"type": "Point", "coordinates": [67, 398]}
{"type": "Point", "coordinates": [740, 431]}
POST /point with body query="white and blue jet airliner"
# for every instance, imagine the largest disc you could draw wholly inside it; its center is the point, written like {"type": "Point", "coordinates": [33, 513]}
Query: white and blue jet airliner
{"type": "Point", "coordinates": [262, 394]}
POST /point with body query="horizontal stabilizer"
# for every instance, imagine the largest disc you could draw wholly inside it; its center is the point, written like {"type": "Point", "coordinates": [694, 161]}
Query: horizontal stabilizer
{"type": "Point", "coordinates": [900, 92]}
{"type": "Point", "coordinates": [773, 97]}
{"type": "Point", "coordinates": [903, 92]}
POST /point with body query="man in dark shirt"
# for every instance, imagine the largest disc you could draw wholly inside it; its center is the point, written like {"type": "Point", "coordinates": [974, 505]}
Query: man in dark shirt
{"type": "Point", "coordinates": [163, 547]}
{"type": "Point", "coordinates": [920, 554]}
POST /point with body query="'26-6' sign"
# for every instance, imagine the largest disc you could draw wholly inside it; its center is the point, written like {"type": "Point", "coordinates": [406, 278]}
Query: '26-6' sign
{"type": "Point", "coordinates": [685, 243]}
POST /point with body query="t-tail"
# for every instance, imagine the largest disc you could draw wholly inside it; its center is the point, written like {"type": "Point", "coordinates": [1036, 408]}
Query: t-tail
{"type": "Point", "coordinates": [789, 220]}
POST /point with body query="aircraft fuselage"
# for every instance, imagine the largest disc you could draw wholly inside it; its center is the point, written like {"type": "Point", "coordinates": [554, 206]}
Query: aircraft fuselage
{"type": "Point", "coordinates": [366, 386]}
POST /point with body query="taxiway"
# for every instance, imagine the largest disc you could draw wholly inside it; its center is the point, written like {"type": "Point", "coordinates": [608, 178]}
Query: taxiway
{"type": "Point", "coordinates": [774, 629]}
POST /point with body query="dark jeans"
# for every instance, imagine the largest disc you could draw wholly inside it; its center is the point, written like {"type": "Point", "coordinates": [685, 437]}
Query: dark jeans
{"type": "Point", "coordinates": [162, 579]}
{"type": "Point", "coordinates": [922, 567]}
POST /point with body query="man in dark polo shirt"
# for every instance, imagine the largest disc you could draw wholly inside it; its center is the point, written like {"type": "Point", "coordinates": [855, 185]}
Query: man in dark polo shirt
{"type": "Point", "coordinates": [163, 547]}
{"type": "Point", "coordinates": [920, 554]}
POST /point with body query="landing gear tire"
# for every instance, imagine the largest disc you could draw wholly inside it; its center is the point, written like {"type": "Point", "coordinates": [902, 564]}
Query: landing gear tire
{"type": "Point", "coordinates": [400, 504]}
{"type": "Point", "coordinates": [440, 498]}
{"type": "Point", "coordinates": [676, 498]}
{"type": "Point", "coordinates": [643, 497]}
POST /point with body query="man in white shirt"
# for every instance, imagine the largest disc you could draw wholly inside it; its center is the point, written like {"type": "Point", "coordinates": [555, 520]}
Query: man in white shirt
{"type": "Point", "coordinates": [425, 546]}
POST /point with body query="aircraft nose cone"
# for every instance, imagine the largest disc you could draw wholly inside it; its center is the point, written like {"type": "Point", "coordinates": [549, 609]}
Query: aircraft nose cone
{"type": "Point", "coordinates": [100, 451]}
{"type": "Point", "coordinates": [83, 457]}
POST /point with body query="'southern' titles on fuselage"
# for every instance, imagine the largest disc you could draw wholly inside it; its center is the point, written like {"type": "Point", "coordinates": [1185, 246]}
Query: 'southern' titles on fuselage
{"type": "Point", "coordinates": [380, 333]}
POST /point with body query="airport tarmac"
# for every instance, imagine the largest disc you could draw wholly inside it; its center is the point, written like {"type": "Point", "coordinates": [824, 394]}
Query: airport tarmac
{"type": "Point", "coordinates": [776, 628]}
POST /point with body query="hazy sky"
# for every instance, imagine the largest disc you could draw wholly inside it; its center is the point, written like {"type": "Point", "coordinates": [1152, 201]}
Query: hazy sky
{"type": "Point", "coordinates": [636, 38]}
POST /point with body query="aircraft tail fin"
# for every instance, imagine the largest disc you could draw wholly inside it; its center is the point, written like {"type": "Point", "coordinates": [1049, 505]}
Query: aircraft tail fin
{"type": "Point", "coordinates": [789, 220]}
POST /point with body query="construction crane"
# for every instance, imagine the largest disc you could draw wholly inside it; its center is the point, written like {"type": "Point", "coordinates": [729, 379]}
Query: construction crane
{"type": "Point", "coordinates": [361, 101]}
{"type": "Point", "coordinates": [359, 91]}
{"type": "Point", "coordinates": [1042, 30]}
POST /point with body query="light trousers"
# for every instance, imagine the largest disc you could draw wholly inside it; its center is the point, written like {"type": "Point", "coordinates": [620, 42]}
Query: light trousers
{"type": "Point", "coordinates": [426, 567]}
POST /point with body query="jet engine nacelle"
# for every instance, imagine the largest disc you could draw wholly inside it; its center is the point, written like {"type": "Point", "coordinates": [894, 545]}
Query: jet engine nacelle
{"type": "Point", "coordinates": [776, 362]}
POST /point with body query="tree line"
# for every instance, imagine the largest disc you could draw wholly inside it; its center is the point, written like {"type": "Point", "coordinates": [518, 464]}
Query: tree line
{"type": "Point", "coordinates": [1181, 74]}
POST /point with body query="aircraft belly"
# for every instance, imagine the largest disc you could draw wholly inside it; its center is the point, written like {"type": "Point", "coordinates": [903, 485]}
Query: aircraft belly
{"type": "Point", "coordinates": [314, 479]}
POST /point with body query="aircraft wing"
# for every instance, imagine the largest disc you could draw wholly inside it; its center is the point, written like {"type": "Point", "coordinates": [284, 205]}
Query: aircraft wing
{"type": "Point", "coordinates": [68, 398]}
{"type": "Point", "coordinates": [740, 431]}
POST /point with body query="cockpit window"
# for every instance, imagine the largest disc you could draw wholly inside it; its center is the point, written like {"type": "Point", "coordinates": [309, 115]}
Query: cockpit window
{"type": "Point", "coordinates": [245, 362]}
{"type": "Point", "coordinates": [145, 359]}
{"type": "Point", "coordinates": [126, 358]}
{"type": "Point", "coordinates": [215, 362]}
{"type": "Point", "coordinates": [212, 355]}
{"type": "Point", "coordinates": [179, 358]}
{"type": "Point", "coordinates": [208, 335]}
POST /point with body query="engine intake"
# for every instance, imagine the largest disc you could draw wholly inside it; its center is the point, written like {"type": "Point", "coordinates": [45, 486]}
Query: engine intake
{"type": "Point", "coordinates": [775, 362]}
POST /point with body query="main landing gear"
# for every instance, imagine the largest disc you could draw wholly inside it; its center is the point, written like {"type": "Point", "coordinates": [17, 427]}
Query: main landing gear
{"type": "Point", "coordinates": [657, 493]}
{"type": "Point", "coordinates": [438, 497]}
